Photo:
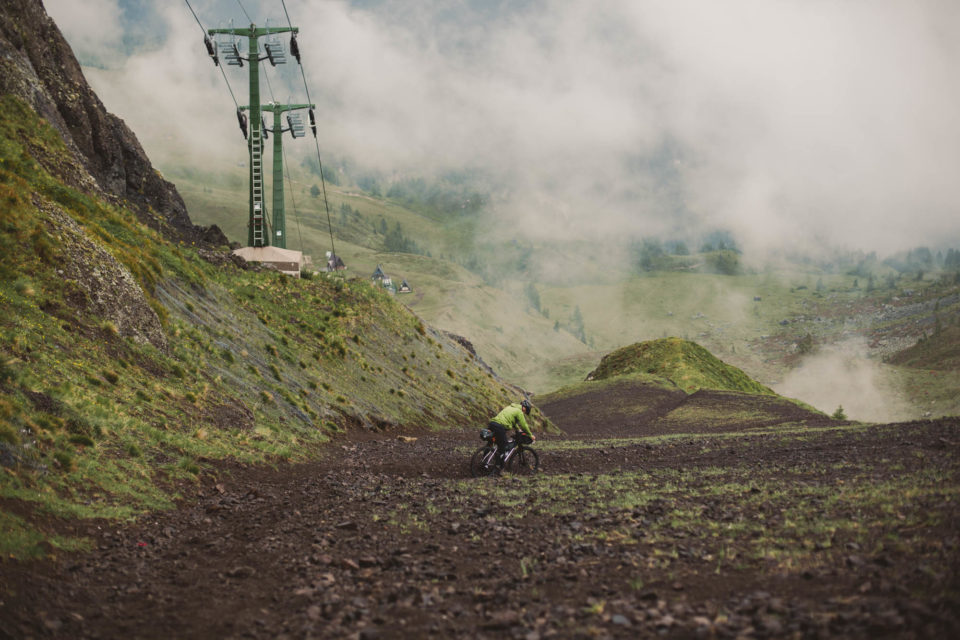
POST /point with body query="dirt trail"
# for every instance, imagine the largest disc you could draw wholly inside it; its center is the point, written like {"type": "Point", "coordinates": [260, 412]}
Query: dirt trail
{"type": "Point", "coordinates": [387, 538]}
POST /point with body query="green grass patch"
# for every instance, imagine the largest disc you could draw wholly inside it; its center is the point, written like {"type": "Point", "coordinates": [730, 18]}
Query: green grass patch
{"type": "Point", "coordinates": [685, 363]}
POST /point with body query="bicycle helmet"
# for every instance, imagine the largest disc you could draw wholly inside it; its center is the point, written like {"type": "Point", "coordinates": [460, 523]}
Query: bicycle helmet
{"type": "Point", "coordinates": [525, 405]}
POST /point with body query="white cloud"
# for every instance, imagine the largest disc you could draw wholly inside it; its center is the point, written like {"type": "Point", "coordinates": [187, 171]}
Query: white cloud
{"type": "Point", "coordinates": [92, 27]}
{"type": "Point", "coordinates": [786, 119]}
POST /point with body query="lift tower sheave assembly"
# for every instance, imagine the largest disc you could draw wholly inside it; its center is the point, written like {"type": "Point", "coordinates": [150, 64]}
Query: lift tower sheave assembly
{"type": "Point", "coordinates": [257, 235]}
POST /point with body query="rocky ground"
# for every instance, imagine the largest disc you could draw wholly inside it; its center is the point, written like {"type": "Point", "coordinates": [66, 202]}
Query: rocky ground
{"type": "Point", "coordinates": [762, 535]}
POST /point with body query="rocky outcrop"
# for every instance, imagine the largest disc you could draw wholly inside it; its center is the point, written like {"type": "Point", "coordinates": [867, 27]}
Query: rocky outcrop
{"type": "Point", "coordinates": [108, 288]}
{"type": "Point", "coordinates": [37, 64]}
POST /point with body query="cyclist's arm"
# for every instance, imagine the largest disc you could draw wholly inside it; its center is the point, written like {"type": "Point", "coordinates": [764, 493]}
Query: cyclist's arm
{"type": "Point", "coordinates": [522, 425]}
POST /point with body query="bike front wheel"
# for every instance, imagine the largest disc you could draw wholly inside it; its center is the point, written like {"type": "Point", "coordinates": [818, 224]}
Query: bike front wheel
{"type": "Point", "coordinates": [483, 463]}
{"type": "Point", "coordinates": [524, 462]}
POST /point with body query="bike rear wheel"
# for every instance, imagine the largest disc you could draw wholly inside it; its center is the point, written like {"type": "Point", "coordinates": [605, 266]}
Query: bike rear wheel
{"type": "Point", "coordinates": [524, 462]}
{"type": "Point", "coordinates": [479, 465]}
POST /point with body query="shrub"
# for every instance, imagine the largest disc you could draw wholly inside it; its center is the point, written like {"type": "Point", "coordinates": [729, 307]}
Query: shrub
{"type": "Point", "coordinates": [111, 376]}
{"type": "Point", "coordinates": [8, 434]}
{"type": "Point", "coordinates": [64, 460]}
{"type": "Point", "coordinates": [82, 440]}
{"type": "Point", "coordinates": [724, 262]}
{"type": "Point", "coordinates": [189, 465]}
{"type": "Point", "coordinates": [6, 370]}
{"type": "Point", "coordinates": [42, 245]}
{"type": "Point", "coordinates": [839, 414]}
{"type": "Point", "coordinates": [82, 426]}
{"type": "Point", "coordinates": [805, 344]}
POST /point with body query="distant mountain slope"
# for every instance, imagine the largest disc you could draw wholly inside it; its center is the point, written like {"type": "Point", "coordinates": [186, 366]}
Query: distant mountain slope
{"type": "Point", "coordinates": [939, 351]}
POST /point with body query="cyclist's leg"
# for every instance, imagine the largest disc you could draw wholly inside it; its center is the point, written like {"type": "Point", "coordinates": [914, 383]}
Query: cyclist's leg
{"type": "Point", "coordinates": [500, 437]}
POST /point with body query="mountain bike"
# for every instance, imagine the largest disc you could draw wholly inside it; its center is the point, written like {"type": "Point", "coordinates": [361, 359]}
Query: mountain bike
{"type": "Point", "coordinates": [520, 459]}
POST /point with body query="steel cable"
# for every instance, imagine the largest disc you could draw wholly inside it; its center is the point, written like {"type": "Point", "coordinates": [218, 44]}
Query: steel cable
{"type": "Point", "coordinates": [323, 182]}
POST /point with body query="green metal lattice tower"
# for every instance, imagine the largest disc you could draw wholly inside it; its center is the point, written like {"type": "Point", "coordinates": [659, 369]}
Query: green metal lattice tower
{"type": "Point", "coordinates": [257, 233]}
{"type": "Point", "coordinates": [297, 129]}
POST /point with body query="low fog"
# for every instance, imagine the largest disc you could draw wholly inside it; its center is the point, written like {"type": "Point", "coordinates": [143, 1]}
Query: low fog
{"type": "Point", "coordinates": [783, 121]}
{"type": "Point", "coordinates": [842, 376]}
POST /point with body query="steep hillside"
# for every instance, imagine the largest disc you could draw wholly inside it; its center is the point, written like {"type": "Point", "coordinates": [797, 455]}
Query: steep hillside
{"type": "Point", "coordinates": [105, 157]}
{"type": "Point", "coordinates": [132, 362]}
{"type": "Point", "coordinates": [128, 363]}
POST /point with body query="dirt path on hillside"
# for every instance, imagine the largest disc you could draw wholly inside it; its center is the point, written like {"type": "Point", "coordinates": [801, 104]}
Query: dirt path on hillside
{"type": "Point", "coordinates": [388, 538]}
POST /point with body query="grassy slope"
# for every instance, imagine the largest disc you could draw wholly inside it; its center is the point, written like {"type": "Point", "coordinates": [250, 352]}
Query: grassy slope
{"type": "Point", "coordinates": [940, 351]}
{"type": "Point", "coordinates": [720, 312]}
{"type": "Point", "coordinates": [684, 363]}
{"type": "Point", "coordinates": [519, 344]}
{"type": "Point", "coordinates": [259, 367]}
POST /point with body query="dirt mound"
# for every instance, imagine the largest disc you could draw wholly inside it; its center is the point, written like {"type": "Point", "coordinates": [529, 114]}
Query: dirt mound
{"type": "Point", "coordinates": [615, 408]}
{"type": "Point", "coordinates": [684, 363]}
{"type": "Point", "coordinates": [712, 411]}
{"type": "Point", "coordinates": [633, 407]}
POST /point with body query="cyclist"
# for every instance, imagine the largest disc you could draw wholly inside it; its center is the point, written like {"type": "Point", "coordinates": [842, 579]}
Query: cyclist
{"type": "Point", "coordinates": [511, 417]}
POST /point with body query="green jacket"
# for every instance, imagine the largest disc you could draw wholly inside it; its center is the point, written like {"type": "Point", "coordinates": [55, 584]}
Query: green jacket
{"type": "Point", "coordinates": [512, 416]}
